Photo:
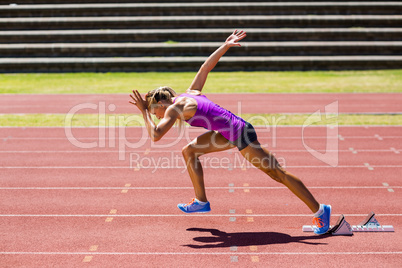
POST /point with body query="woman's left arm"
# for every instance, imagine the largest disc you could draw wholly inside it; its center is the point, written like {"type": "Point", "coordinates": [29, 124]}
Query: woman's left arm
{"type": "Point", "coordinates": [210, 63]}
{"type": "Point", "coordinates": [156, 132]}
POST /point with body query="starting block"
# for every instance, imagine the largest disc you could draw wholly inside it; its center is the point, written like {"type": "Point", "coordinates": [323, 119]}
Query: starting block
{"type": "Point", "coordinates": [370, 224]}
{"type": "Point", "coordinates": [342, 227]}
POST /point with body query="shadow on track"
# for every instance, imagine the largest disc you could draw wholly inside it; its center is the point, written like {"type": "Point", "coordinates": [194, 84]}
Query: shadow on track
{"type": "Point", "coordinates": [219, 239]}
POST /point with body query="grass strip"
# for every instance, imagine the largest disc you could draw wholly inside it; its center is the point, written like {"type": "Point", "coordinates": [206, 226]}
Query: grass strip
{"type": "Point", "coordinates": [92, 120]}
{"type": "Point", "coordinates": [381, 81]}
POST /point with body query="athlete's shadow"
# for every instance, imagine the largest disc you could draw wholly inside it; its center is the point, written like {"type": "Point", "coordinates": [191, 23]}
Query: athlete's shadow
{"type": "Point", "coordinates": [219, 239]}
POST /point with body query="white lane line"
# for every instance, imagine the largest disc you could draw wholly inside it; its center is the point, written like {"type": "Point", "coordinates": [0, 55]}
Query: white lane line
{"type": "Point", "coordinates": [206, 167]}
{"type": "Point", "coordinates": [386, 185]}
{"type": "Point", "coordinates": [181, 215]}
{"type": "Point", "coordinates": [148, 151]}
{"type": "Point", "coordinates": [77, 151]}
{"type": "Point", "coordinates": [190, 188]}
{"type": "Point", "coordinates": [139, 128]}
{"type": "Point", "coordinates": [378, 137]}
{"type": "Point", "coordinates": [191, 138]}
{"type": "Point", "coordinates": [204, 253]}
{"type": "Point", "coordinates": [369, 166]}
{"type": "Point", "coordinates": [353, 150]}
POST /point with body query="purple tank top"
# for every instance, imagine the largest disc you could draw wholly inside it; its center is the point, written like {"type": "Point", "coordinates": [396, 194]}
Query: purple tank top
{"type": "Point", "coordinates": [213, 117]}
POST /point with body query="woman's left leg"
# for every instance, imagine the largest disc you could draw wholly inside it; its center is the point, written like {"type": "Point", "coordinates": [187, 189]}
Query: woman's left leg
{"type": "Point", "coordinates": [266, 162]}
{"type": "Point", "coordinates": [206, 143]}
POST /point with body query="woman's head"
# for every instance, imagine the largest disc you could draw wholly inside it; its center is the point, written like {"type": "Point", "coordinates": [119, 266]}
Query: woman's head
{"type": "Point", "coordinates": [158, 98]}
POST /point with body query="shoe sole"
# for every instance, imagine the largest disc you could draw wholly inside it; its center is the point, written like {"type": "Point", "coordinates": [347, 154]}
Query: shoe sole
{"type": "Point", "coordinates": [195, 211]}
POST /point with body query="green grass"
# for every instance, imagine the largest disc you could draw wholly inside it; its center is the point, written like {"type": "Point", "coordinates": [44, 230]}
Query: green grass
{"type": "Point", "coordinates": [218, 82]}
{"type": "Point", "coordinates": [87, 120]}
{"type": "Point", "coordinates": [171, 42]}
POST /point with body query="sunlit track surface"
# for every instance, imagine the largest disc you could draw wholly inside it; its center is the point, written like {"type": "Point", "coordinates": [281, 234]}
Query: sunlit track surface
{"type": "Point", "coordinates": [356, 103]}
{"type": "Point", "coordinates": [65, 205]}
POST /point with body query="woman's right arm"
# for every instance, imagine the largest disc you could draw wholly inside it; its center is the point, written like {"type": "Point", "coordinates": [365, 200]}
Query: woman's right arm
{"type": "Point", "coordinates": [155, 131]}
{"type": "Point", "coordinates": [210, 63]}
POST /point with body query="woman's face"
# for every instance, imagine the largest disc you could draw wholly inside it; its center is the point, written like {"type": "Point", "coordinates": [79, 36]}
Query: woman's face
{"type": "Point", "coordinates": [158, 110]}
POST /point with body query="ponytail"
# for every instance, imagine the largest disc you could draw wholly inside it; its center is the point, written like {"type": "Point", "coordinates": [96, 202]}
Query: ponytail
{"type": "Point", "coordinates": [161, 93]}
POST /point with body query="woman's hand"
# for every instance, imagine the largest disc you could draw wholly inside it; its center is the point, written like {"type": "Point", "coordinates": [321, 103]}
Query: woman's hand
{"type": "Point", "coordinates": [234, 38]}
{"type": "Point", "coordinates": [138, 101]}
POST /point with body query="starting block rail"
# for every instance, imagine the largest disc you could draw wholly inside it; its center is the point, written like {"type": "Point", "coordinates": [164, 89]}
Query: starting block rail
{"type": "Point", "coordinates": [342, 227]}
{"type": "Point", "coordinates": [381, 228]}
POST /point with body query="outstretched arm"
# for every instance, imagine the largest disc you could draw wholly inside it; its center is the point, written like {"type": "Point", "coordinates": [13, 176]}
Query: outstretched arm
{"type": "Point", "coordinates": [210, 63]}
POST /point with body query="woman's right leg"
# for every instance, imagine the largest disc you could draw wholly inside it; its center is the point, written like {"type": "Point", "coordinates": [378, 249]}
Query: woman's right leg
{"type": "Point", "coordinates": [209, 142]}
{"type": "Point", "coordinates": [267, 163]}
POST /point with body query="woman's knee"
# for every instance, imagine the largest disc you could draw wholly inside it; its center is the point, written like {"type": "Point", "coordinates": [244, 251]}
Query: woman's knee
{"type": "Point", "coordinates": [186, 151]}
{"type": "Point", "coordinates": [190, 150]}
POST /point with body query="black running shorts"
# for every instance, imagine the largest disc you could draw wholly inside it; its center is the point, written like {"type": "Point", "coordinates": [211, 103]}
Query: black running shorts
{"type": "Point", "coordinates": [247, 136]}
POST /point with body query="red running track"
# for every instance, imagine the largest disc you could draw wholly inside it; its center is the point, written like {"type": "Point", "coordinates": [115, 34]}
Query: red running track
{"type": "Point", "coordinates": [66, 206]}
{"type": "Point", "coordinates": [237, 103]}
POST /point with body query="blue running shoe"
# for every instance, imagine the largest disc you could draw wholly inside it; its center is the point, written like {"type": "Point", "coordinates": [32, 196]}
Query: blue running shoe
{"type": "Point", "coordinates": [194, 206]}
{"type": "Point", "coordinates": [322, 222]}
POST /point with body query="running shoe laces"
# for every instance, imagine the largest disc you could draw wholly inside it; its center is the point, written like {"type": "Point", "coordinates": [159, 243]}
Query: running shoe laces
{"type": "Point", "coordinates": [318, 222]}
{"type": "Point", "coordinates": [190, 203]}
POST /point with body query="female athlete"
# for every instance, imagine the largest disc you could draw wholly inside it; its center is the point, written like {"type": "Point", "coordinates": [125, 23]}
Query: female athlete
{"type": "Point", "coordinates": [226, 131]}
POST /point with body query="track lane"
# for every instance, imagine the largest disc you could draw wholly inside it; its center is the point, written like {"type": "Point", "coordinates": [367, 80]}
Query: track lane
{"type": "Point", "coordinates": [225, 160]}
{"type": "Point", "coordinates": [127, 239]}
{"type": "Point", "coordinates": [319, 177]}
{"type": "Point", "coordinates": [244, 103]}
{"type": "Point", "coordinates": [161, 202]}
{"type": "Point", "coordinates": [285, 131]}
{"type": "Point", "coordinates": [158, 242]}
